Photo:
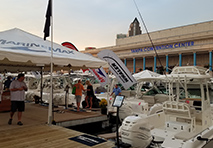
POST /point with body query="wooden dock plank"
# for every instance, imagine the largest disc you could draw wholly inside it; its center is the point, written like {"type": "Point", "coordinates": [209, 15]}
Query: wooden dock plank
{"type": "Point", "coordinates": [23, 138]}
{"type": "Point", "coordinates": [35, 133]}
{"type": "Point", "coordinates": [46, 136]}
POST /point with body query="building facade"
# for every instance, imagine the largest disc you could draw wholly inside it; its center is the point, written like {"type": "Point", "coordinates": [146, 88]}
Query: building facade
{"type": "Point", "coordinates": [179, 46]}
{"type": "Point", "coordinates": [134, 28]}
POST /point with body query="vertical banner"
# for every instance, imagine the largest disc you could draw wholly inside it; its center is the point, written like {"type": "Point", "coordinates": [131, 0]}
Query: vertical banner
{"type": "Point", "coordinates": [100, 75]}
{"type": "Point", "coordinates": [118, 68]}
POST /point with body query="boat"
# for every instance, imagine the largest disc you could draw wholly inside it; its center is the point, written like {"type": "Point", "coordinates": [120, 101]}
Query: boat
{"type": "Point", "coordinates": [146, 97]}
{"type": "Point", "coordinates": [59, 84]}
{"type": "Point", "coordinates": [62, 88]}
{"type": "Point", "coordinates": [186, 118]}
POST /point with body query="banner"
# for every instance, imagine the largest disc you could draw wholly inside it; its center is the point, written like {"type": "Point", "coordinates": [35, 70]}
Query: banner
{"type": "Point", "coordinates": [100, 75]}
{"type": "Point", "coordinates": [118, 68]}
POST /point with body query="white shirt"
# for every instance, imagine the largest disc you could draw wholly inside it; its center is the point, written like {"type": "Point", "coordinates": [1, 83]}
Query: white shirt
{"type": "Point", "coordinates": [17, 95]}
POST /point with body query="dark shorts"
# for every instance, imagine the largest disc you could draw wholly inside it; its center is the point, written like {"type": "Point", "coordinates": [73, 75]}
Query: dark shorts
{"type": "Point", "coordinates": [90, 96]}
{"type": "Point", "coordinates": [17, 105]}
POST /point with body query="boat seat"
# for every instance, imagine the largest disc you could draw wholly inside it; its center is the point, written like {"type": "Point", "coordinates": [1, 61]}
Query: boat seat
{"type": "Point", "coordinates": [126, 93]}
{"type": "Point", "coordinates": [185, 136]}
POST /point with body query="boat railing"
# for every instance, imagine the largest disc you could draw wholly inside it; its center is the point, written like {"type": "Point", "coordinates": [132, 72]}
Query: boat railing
{"type": "Point", "coordinates": [179, 110]}
{"type": "Point", "coordinates": [189, 70]}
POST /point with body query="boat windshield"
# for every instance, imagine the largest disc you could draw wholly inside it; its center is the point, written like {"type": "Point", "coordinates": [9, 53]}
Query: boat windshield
{"type": "Point", "coordinates": [154, 91]}
{"type": "Point", "coordinates": [192, 93]}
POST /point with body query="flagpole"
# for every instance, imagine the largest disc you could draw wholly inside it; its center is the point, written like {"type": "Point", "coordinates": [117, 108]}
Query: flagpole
{"type": "Point", "coordinates": [108, 107]}
{"type": "Point", "coordinates": [50, 114]}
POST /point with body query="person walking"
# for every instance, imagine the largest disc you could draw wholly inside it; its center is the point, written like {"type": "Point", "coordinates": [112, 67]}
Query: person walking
{"type": "Point", "coordinates": [17, 92]}
{"type": "Point", "coordinates": [90, 94]}
{"type": "Point", "coordinates": [116, 90]}
{"type": "Point", "coordinates": [78, 94]}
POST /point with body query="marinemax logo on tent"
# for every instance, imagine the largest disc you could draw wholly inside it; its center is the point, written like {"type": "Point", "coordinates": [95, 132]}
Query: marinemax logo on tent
{"type": "Point", "coordinates": [161, 47]}
{"type": "Point", "coordinates": [27, 46]}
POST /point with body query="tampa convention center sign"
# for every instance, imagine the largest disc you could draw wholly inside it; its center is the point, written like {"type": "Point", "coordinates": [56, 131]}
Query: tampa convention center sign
{"type": "Point", "coordinates": [162, 47]}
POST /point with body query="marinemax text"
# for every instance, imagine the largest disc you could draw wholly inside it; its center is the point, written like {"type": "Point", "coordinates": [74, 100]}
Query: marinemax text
{"type": "Point", "coordinates": [21, 44]}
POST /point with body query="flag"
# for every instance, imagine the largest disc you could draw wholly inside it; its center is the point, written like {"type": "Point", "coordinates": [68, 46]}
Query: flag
{"type": "Point", "coordinates": [100, 75]}
{"type": "Point", "coordinates": [118, 68]}
{"type": "Point", "coordinates": [47, 23]}
{"type": "Point", "coordinates": [84, 70]}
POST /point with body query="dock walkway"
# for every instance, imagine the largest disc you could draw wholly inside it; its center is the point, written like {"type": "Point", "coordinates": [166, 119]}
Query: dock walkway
{"type": "Point", "coordinates": [36, 133]}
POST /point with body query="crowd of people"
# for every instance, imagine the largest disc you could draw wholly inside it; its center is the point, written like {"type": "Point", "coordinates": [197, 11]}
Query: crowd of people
{"type": "Point", "coordinates": [18, 87]}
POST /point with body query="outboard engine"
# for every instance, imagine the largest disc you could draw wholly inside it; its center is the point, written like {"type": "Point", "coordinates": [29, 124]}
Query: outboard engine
{"type": "Point", "coordinates": [135, 131]}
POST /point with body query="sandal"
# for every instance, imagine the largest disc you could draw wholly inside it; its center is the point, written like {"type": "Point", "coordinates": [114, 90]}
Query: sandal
{"type": "Point", "coordinates": [10, 121]}
{"type": "Point", "coordinates": [19, 123]}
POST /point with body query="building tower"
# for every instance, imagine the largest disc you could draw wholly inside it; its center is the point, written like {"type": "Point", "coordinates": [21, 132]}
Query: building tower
{"type": "Point", "coordinates": [134, 28]}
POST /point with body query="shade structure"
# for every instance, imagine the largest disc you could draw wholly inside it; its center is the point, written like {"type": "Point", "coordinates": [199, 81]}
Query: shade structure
{"type": "Point", "coordinates": [145, 74]}
{"type": "Point", "coordinates": [21, 51]}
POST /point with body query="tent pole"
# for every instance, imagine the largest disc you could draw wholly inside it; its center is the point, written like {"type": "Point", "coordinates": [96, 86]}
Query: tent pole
{"type": "Point", "coordinates": [108, 89]}
{"type": "Point", "coordinates": [50, 113]}
{"type": "Point", "coordinates": [41, 86]}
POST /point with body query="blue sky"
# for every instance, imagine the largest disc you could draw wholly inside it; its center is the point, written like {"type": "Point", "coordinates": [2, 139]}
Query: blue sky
{"type": "Point", "coordinates": [95, 23]}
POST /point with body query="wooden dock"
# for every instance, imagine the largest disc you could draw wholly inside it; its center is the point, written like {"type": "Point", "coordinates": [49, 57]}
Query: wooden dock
{"type": "Point", "coordinates": [43, 136]}
{"type": "Point", "coordinates": [36, 133]}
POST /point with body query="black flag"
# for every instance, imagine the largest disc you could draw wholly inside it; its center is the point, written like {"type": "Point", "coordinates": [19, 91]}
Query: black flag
{"type": "Point", "coordinates": [47, 23]}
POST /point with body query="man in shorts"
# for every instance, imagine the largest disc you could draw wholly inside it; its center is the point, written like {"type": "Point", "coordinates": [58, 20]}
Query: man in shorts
{"type": "Point", "coordinates": [78, 93]}
{"type": "Point", "coordinates": [17, 93]}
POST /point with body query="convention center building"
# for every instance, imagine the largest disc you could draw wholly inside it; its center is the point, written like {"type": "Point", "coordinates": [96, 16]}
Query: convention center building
{"type": "Point", "coordinates": [179, 46]}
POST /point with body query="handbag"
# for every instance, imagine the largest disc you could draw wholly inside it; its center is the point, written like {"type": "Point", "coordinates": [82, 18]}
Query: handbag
{"type": "Point", "coordinates": [73, 90]}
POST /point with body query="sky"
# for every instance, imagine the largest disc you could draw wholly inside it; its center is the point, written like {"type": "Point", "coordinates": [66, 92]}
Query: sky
{"type": "Point", "coordinates": [95, 23]}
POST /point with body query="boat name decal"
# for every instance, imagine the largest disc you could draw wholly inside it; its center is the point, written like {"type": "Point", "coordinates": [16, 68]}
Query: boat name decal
{"type": "Point", "coordinates": [119, 72]}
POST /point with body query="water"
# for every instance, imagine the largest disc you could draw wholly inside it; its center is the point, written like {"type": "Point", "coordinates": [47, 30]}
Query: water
{"type": "Point", "coordinates": [97, 128]}
{"type": "Point", "coordinates": [93, 128]}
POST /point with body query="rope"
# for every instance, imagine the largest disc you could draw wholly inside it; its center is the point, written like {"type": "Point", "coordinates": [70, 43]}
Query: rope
{"type": "Point", "coordinates": [149, 37]}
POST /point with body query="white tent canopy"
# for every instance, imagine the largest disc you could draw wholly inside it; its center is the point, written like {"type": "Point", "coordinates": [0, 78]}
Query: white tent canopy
{"type": "Point", "coordinates": [145, 74]}
{"type": "Point", "coordinates": [20, 50]}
